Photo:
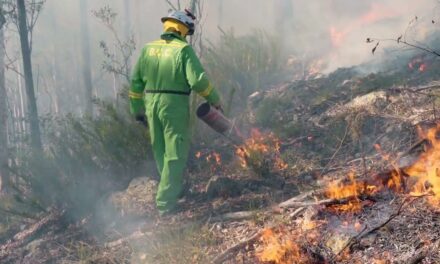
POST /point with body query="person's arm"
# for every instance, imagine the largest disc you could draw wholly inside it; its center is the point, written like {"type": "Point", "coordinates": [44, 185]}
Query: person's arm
{"type": "Point", "coordinates": [137, 87]}
{"type": "Point", "coordinates": [197, 78]}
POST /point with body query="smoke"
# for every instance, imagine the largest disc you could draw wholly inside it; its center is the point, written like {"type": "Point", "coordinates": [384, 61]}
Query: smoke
{"type": "Point", "coordinates": [332, 30]}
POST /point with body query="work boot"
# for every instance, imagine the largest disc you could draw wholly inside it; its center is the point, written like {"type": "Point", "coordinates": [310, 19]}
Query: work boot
{"type": "Point", "coordinates": [168, 212]}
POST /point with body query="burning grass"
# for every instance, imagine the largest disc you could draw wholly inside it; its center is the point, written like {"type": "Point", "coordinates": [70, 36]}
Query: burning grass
{"type": "Point", "coordinates": [261, 152]}
{"type": "Point", "coordinates": [278, 248]}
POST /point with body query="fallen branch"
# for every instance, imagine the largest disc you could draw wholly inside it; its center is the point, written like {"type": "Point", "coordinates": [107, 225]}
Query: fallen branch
{"type": "Point", "coordinates": [134, 236]}
{"type": "Point", "coordinates": [228, 252]}
{"type": "Point", "coordinates": [235, 216]}
{"type": "Point", "coordinates": [27, 235]}
{"type": "Point", "coordinates": [299, 198]}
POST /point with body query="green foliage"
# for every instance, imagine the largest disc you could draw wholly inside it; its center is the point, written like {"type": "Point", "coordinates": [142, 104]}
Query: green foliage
{"type": "Point", "coordinates": [85, 159]}
{"type": "Point", "coordinates": [239, 66]}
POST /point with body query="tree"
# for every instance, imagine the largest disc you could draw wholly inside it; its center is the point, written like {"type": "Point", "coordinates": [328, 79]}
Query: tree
{"type": "Point", "coordinates": [85, 49]}
{"type": "Point", "coordinates": [23, 31]}
{"type": "Point", "coordinates": [4, 175]}
{"type": "Point", "coordinates": [118, 55]}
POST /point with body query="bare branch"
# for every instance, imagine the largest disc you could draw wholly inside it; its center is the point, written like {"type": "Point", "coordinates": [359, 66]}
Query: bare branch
{"type": "Point", "coordinates": [172, 6]}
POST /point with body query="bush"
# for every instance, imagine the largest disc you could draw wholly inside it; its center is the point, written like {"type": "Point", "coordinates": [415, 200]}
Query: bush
{"type": "Point", "coordinates": [239, 66]}
{"type": "Point", "coordinates": [84, 160]}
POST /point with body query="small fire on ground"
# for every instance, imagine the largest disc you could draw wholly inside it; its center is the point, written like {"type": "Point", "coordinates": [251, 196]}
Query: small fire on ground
{"type": "Point", "coordinates": [426, 171]}
{"type": "Point", "coordinates": [260, 149]}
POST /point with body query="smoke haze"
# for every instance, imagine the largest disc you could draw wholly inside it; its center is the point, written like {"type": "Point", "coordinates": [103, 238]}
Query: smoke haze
{"type": "Point", "coordinates": [332, 31]}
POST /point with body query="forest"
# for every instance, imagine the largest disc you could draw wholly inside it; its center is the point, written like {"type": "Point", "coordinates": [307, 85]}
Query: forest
{"type": "Point", "coordinates": [319, 144]}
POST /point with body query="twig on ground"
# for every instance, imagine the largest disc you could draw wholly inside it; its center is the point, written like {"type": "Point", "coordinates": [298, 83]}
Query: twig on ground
{"type": "Point", "coordinates": [324, 171]}
{"type": "Point", "coordinates": [235, 216]}
{"type": "Point", "coordinates": [28, 234]}
{"type": "Point", "coordinates": [228, 252]}
{"type": "Point", "coordinates": [134, 236]}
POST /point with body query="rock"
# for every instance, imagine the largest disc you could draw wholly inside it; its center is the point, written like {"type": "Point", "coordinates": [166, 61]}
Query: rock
{"type": "Point", "coordinates": [222, 187]}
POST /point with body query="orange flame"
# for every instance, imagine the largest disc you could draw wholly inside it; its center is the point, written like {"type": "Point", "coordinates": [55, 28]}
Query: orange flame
{"type": "Point", "coordinates": [260, 145]}
{"type": "Point", "coordinates": [427, 169]}
{"type": "Point", "coordinates": [279, 250]}
{"type": "Point", "coordinates": [418, 64]}
{"type": "Point", "coordinates": [351, 191]}
{"type": "Point", "coordinates": [395, 182]}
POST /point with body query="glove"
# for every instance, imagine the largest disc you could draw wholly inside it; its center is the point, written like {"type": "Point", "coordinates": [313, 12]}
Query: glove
{"type": "Point", "coordinates": [141, 119]}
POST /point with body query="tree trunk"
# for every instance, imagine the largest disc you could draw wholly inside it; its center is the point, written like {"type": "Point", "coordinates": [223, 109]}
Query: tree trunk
{"type": "Point", "coordinates": [85, 45]}
{"type": "Point", "coordinates": [127, 31]}
{"type": "Point", "coordinates": [4, 175]}
{"type": "Point", "coordinates": [58, 87]}
{"type": "Point", "coordinates": [28, 77]}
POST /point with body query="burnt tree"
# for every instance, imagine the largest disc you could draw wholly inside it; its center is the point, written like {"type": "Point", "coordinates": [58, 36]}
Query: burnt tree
{"type": "Point", "coordinates": [85, 50]}
{"type": "Point", "coordinates": [23, 31]}
{"type": "Point", "coordinates": [4, 175]}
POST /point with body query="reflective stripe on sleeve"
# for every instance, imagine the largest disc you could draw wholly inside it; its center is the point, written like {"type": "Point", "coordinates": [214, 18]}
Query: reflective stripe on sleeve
{"type": "Point", "coordinates": [134, 95]}
{"type": "Point", "coordinates": [207, 91]}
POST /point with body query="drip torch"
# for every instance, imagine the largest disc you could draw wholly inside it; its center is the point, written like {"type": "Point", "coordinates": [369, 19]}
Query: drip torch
{"type": "Point", "coordinates": [216, 120]}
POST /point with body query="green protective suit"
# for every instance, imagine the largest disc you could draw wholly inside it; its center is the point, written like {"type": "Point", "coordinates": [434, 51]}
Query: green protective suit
{"type": "Point", "coordinates": [166, 72]}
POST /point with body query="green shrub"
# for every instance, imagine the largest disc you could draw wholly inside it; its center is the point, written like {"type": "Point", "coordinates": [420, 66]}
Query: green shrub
{"type": "Point", "coordinates": [84, 159]}
{"type": "Point", "coordinates": [239, 66]}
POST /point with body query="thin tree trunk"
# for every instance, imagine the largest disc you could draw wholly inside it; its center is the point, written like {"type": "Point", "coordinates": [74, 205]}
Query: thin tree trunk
{"type": "Point", "coordinates": [127, 31]}
{"type": "Point", "coordinates": [55, 69]}
{"type": "Point", "coordinates": [85, 45]}
{"type": "Point", "coordinates": [28, 76]}
{"type": "Point", "coordinates": [4, 175]}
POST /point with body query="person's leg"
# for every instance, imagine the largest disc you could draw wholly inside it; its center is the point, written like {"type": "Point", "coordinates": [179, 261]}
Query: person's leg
{"type": "Point", "coordinates": [156, 135]}
{"type": "Point", "coordinates": [177, 140]}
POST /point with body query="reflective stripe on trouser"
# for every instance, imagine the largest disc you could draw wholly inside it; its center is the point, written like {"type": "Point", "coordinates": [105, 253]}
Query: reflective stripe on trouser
{"type": "Point", "coordinates": [169, 132]}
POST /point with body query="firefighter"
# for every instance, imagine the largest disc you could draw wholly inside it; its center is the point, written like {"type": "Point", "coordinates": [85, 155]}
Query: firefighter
{"type": "Point", "coordinates": [166, 73]}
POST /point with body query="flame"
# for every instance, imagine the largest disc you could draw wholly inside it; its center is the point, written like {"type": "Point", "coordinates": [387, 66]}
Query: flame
{"type": "Point", "coordinates": [395, 182]}
{"type": "Point", "coordinates": [214, 158]}
{"type": "Point", "coordinates": [351, 191]}
{"type": "Point", "coordinates": [260, 147]}
{"type": "Point", "coordinates": [218, 158]}
{"type": "Point", "coordinates": [427, 168]}
{"type": "Point", "coordinates": [279, 249]}
{"type": "Point", "coordinates": [418, 64]}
